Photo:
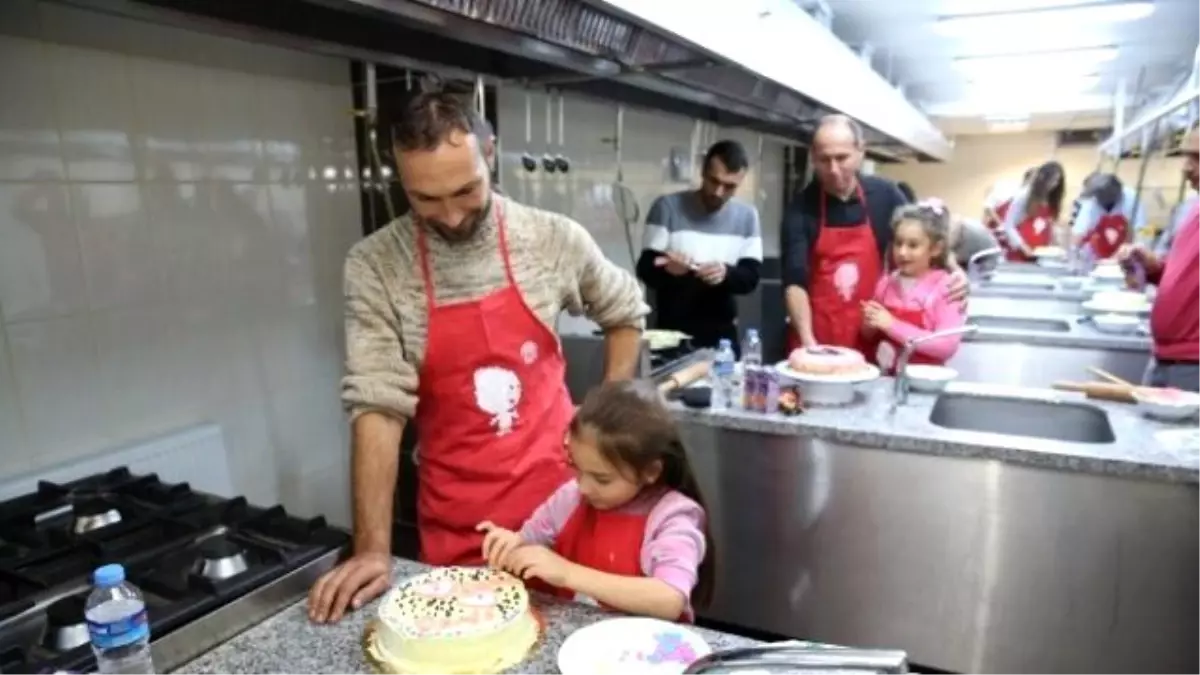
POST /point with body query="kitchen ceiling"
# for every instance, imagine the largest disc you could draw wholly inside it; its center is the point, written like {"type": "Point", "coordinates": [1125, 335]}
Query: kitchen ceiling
{"type": "Point", "coordinates": [1020, 59]}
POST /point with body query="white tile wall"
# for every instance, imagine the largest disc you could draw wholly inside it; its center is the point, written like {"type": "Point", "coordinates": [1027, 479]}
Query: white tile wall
{"type": "Point", "coordinates": [585, 192]}
{"type": "Point", "coordinates": [170, 249]}
{"type": "Point", "coordinates": [174, 212]}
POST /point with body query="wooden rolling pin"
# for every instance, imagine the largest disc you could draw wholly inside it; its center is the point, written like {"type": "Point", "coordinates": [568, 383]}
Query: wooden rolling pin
{"type": "Point", "coordinates": [1103, 391]}
{"type": "Point", "coordinates": [685, 376]}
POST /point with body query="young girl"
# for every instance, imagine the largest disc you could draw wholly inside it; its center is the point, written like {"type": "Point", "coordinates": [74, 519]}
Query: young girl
{"type": "Point", "coordinates": [911, 301]}
{"type": "Point", "coordinates": [630, 531]}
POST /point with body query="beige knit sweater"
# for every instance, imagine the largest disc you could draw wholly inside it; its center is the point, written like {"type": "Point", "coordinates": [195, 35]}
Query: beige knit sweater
{"type": "Point", "coordinates": [557, 265]}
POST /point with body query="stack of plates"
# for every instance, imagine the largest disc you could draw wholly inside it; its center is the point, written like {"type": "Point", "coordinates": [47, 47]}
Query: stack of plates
{"type": "Point", "coordinates": [1118, 302]}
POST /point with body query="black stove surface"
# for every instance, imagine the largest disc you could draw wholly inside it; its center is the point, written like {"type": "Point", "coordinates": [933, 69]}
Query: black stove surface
{"type": "Point", "coordinates": [51, 541]}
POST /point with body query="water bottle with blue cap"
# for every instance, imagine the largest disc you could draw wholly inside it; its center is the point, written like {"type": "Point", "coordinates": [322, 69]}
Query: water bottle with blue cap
{"type": "Point", "coordinates": [117, 623]}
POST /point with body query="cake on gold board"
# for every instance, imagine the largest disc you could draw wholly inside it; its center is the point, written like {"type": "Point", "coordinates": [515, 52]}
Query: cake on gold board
{"type": "Point", "coordinates": [453, 620]}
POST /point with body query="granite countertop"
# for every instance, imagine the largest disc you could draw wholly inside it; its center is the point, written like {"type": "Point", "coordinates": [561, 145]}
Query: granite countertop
{"type": "Point", "coordinates": [1143, 448]}
{"type": "Point", "coordinates": [289, 643]}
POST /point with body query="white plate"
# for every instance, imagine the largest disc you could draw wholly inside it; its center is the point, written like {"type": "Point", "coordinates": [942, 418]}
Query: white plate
{"type": "Point", "coordinates": [631, 645]}
{"type": "Point", "coordinates": [868, 373]}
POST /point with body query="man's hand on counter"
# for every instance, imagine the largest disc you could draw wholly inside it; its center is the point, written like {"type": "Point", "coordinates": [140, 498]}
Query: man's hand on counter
{"type": "Point", "coordinates": [354, 583]}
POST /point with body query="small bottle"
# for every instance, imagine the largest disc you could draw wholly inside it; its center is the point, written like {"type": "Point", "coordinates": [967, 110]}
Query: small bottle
{"type": "Point", "coordinates": [752, 348]}
{"type": "Point", "coordinates": [117, 625]}
{"type": "Point", "coordinates": [723, 375]}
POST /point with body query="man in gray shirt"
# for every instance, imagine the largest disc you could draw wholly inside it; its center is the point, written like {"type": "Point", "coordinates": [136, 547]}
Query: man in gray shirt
{"type": "Point", "coordinates": [701, 248]}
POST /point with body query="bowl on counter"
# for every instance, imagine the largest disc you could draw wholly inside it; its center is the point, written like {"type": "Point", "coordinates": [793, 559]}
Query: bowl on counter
{"type": "Point", "coordinates": [929, 379]}
{"type": "Point", "coordinates": [1117, 324]}
{"type": "Point", "coordinates": [1117, 302]}
{"type": "Point", "coordinates": [1167, 405]}
{"type": "Point", "coordinates": [1071, 283]}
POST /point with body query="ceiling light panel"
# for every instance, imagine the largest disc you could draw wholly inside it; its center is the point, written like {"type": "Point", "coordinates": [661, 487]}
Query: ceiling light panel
{"type": "Point", "coordinates": [1070, 18]}
{"type": "Point", "coordinates": [1048, 64]}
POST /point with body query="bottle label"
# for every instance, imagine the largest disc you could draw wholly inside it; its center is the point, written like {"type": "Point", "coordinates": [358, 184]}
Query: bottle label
{"type": "Point", "coordinates": [123, 631]}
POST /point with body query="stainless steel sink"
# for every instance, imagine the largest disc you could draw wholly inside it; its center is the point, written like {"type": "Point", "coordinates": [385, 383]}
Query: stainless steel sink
{"type": "Point", "coordinates": [1020, 282]}
{"type": "Point", "coordinates": [1022, 323]}
{"type": "Point", "coordinates": [1073, 422]}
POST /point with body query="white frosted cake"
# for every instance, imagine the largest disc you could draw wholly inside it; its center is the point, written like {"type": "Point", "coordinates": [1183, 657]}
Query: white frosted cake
{"type": "Point", "coordinates": [456, 620]}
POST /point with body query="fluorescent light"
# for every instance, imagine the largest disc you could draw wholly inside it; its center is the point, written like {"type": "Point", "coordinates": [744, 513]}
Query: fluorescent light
{"type": "Point", "coordinates": [1061, 17]}
{"type": "Point", "coordinates": [1073, 85]}
{"type": "Point", "coordinates": [997, 105]}
{"type": "Point", "coordinates": [1078, 61]}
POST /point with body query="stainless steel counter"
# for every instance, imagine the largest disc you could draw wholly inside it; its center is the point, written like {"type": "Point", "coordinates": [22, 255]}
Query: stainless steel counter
{"type": "Point", "coordinates": [975, 552]}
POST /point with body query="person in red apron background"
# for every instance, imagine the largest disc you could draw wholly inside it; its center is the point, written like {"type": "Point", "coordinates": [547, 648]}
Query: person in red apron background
{"type": "Point", "coordinates": [1031, 218]}
{"type": "Point", "coordinates": [996, 206]}
{"type": "Point", "coordinates": [835, 238]}
{"type": "Point", "coordinates": [630, 533]}
{"type": "Point", "coordinates": [911, 302]}
{"type": "Point", "coordinates": [1109, 216]}
{"type": "Point", "coordinates": [449, 315]}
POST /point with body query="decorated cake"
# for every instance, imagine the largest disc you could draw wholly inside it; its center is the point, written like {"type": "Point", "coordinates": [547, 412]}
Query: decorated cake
{"type": "Point", "coordinates": [826, 360]}
{"type": "Point", "coordinates": [456, 620]}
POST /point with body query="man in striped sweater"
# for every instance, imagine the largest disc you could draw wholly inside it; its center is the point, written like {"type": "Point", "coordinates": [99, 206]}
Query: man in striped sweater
{"type": "Point", "coordinates": [701, 248]}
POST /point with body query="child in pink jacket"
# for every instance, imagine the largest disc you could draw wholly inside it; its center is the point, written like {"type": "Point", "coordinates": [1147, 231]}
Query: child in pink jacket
{"type": "Point", "coordinates": [911, 300]}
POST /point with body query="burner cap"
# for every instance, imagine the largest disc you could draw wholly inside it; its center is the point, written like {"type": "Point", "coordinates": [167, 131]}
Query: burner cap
{"type": "Point", "coordinates": [218, 548]}
{"type": "Point", "coordinates": [92, 507]}
{"type": "Point", "coordinates": [66, 612]}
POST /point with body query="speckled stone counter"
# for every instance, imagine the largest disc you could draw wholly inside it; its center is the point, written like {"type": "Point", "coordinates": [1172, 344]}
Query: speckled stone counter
{"type": "Point", "coordinates": [289, 643]}
{"type": "Point", "coordinates": [1143, 448]}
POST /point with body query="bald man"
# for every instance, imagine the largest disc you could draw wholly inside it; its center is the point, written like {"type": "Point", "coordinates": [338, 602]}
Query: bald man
{"type": "Point", "coordinates": [836, 237]}
{"type": "Point", "coordinates": [1175, 316]}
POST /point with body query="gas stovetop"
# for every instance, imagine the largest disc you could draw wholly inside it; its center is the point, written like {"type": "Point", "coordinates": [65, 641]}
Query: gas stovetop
{"type": "Point", "coordinates": [190, 553]}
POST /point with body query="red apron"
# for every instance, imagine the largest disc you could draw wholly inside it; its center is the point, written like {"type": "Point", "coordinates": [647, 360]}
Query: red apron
{"type": "Point", "coordinates": [844, 269]}
{"type": "Point", "coordinates": [996, 225]}
{"type": "Point", "coordinates": [885, 352]}
{"type": "Point", "coordinates": [608, 541]}
{"type": "Point", "coordinates": [491, 416]}
{"type": "Point", "coordinates": [1108, 235]}
{"type": "Point", "coordinates": [1031, 236]}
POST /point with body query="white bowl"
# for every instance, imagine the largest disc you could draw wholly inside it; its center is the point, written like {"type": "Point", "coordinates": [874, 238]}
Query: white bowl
{"type": "Point", "coordinates": [1116, 324]}
{"type": "Point", "coordinates": [1117, 302]}
{"type": "Point", "coordinates": [929, 379]}
{"type": "Point", "coordinates": [1071, 283]}
{"type": "Point", "coordinates": [1168, 405]}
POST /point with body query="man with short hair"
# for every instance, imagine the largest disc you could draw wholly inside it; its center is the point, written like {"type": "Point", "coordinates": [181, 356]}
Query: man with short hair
{"type": "Point", "coordinates": [1109, 215]}
{"type": "Point", "coordinates": [836, 238]}
{"type": "Point", "coordinates": [449, 316]}
{"type": "Point", "coordinates": [701, 248]}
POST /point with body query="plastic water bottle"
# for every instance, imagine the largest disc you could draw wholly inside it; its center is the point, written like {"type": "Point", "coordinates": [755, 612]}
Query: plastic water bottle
{"type": "Point", "coordinates": [117, 625]}
{"type": "Point", "coordinates": [752, 348]}
{"type": "Point", "coordinates": [723, 375]}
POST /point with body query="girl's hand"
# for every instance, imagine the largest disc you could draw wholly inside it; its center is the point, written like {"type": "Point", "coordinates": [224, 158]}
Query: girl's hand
{"type": "Point", "coordinates": [875, 316]}
{"type": "Point", "coordinates": [528, 562]}
{"type": "Point", "coordinates": [497, 543]}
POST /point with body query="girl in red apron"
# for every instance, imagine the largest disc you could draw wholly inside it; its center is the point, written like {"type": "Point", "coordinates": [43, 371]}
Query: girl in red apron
{"type": "Point", "coordinates": [911, 301]}
{"type": "Point", "coordinates": [630, 533]}
{"type": "Point", "coordinates": [1029, 221]}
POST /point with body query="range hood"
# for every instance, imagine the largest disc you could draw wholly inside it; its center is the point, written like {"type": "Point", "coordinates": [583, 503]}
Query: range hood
{"type": "Point", "coordinates": [778, 41]}
{"type": "Point", "coordinates": [680, 57]}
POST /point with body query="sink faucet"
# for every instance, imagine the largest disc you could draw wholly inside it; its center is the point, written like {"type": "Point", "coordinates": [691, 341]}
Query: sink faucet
{"type": "Point", "coordinates": [787, 657]}
{"type": "Point", "coordinates": [900, 393]}
{"type": "Point", "coordinates": [973, 264]}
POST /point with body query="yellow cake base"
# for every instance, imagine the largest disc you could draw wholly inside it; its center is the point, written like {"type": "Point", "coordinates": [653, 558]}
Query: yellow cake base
{"type": "Point", "coordinates": [496, 653]}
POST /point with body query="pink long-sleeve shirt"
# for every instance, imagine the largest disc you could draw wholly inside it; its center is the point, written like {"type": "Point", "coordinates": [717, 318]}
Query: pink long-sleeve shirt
{"type": "Point", "coordinates": [672, 547]}
{"type": "Point", "coordinates": [928, 294]}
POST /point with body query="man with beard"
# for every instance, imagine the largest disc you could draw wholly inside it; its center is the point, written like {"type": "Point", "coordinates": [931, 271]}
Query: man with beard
{"type": "Point", "coordinates": [701, 248]}
{"type": "Point", "coordinates": [449, 315]}
{"type": "Point", "coordinates": [1175, 315]}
